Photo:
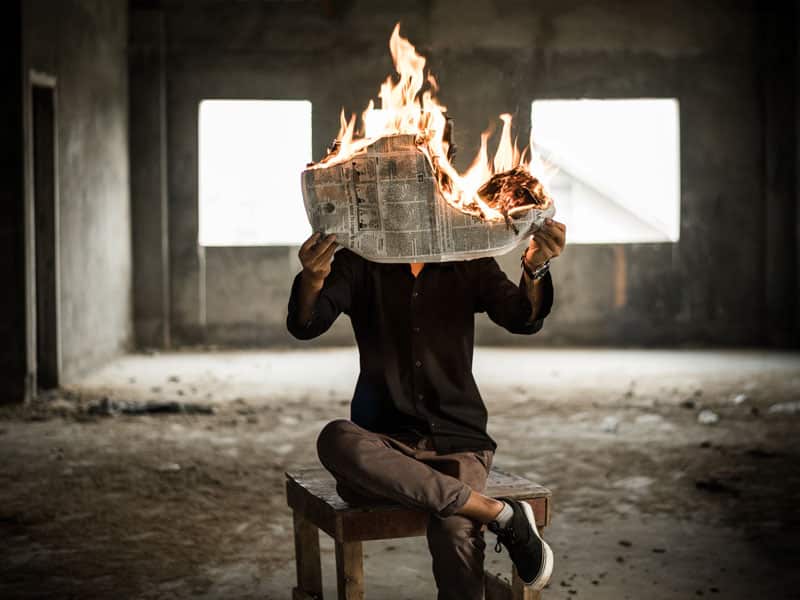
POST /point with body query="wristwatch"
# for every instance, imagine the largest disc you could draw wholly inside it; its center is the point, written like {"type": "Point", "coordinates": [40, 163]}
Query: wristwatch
{"type": "Point", "coordinates": [536, 273]}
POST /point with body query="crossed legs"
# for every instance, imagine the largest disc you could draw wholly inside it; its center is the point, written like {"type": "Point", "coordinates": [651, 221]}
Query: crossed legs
{"type": "Point", "coordinates": [369, 465]}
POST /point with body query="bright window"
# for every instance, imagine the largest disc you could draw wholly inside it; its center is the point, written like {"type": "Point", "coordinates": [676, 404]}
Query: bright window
{"type": "Point", "coordinates": [251, 154]}
{"type": "Point", "coordinates": [617, 167]}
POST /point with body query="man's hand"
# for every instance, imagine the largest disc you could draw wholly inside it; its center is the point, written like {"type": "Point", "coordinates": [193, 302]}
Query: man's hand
{"type": "Point", "coordinates": [315, 255]}
{"type": "Point", "coordinates": [546, 243]}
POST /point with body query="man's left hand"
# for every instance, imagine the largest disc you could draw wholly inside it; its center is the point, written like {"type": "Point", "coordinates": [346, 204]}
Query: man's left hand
{"type": "Point", "coordinates": [546, 243]}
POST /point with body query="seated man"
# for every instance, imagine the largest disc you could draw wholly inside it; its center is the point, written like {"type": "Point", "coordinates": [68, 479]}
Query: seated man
{"type": "Point", "coordinates": [417, 433]}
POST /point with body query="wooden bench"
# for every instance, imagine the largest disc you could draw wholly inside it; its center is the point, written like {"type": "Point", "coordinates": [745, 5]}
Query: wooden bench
{"type": "Point", "coordinates": [311, 494]}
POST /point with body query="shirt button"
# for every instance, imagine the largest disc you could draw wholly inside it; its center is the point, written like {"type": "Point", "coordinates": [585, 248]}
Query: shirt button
{"type": "Point", "coordinates": [418, 363]}
{"type": "Point", "coordinates": [433, 425]}
{"type": "Point", "coordinates": [416, 329]}
{"type": "Point", "coordinates": [421, 396]}
{"type": "Point", "coordinates": [414, 294]}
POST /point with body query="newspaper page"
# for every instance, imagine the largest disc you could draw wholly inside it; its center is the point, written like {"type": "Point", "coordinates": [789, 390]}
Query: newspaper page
{"type": "Point", "coordinates": [384, 205]}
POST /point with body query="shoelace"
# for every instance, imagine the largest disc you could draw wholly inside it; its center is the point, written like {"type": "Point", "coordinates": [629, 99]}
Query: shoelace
{"type": "Point", "coordinates": [508, 535]}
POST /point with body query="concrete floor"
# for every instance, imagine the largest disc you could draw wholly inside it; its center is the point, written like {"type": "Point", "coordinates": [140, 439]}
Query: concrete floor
{"type": "Point", "coordinates": [648, 502]}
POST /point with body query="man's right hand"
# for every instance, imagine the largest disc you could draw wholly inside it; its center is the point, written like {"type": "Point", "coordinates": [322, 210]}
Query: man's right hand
{"type": "Point", "coordinates": [315, 255]}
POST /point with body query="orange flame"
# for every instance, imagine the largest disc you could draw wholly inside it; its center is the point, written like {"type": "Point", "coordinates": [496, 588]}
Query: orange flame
{"type": "Point", "coordinates": [408, 109]}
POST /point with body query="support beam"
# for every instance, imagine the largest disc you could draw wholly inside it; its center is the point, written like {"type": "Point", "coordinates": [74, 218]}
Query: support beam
{"type": "Point", "coordinates": [309, 568]}
{"type": "Point", "coordinates": [350, 570]}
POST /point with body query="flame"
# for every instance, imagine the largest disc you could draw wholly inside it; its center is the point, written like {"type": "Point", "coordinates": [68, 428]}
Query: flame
{"type": "Point", "coordinates": [407, 108]}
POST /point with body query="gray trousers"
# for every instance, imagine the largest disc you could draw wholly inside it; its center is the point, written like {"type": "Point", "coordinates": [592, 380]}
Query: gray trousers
{"type": "Point", "coordinates": [403, 468]}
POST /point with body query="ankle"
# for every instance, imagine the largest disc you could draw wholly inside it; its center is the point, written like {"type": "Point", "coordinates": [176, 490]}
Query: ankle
{"type": "Point", "coordinates": [495, 507]}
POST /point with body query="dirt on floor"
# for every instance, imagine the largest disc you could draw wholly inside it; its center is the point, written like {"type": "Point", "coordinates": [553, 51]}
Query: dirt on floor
{"type": "Point", "coordinates": [674, 474]}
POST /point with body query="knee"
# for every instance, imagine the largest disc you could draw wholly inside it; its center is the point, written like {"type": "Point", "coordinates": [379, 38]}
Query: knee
{"type": "Point", "coordinates": [330, 442]}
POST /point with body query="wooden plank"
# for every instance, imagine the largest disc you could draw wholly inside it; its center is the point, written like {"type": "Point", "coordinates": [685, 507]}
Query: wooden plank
{"type": "Point", "coordinates": [349, 570]}
{"type": "Point", "coordinates": [307, 559]}
{"type": "Point", "coordinates": [312, 507]}
{"type": "Point", "coordinates": [496, 587]}
{"type": "Point", "coordinates": [321, 484]}
{"type": "Point", "coordinates": [312, 492]}
{"type": "Point", "coordinates": [520, 591]}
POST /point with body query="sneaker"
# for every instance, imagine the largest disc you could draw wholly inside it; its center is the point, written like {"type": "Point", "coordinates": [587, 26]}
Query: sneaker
{"type": "Point", "coordinates": [530, 554]}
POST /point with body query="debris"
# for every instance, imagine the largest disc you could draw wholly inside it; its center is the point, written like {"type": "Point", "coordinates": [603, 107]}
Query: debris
{"type": "Point", "coordinates": [759, 453]}
{"type": "Point", "coordinates": [625, 543]}
{"type": "Point", "coordinates": [610, 424]}
{"type": "Point", "coordinates": [688, 404]}
{"type": "Point", "coordinates": [659, 550]}
{"type": "Point", "coordinates": [62, 408]}
{"type": "Point", "coordinates": [707, 417]}
{"type": "Point", "coordinates": [705, 444]}
{"type": "Point", "coordinates": [104, 408]}
{"type": "Point", "coordinates": [173, 379]}
{"type": "Point", "coordinates": [636, 482]}
{"type": "Point", "coordinates": [739, 399]}
{"type": "Point", "coordinates": [785, 408]}
{"type": "Point", "coordinates": [168, 468]}
{"type": "Point", "coordinates": [107, 407]}
{"type": "Point", "coordinates": [715, 486]}
{"type": "Point", "coordinates": [283, 449]}
{"type": "Point", "coordinates": [649, 419]}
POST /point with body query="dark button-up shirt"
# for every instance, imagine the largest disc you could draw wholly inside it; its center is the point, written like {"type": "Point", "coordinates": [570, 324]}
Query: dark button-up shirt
{"type": "Point", "coordinates": [415, 339]}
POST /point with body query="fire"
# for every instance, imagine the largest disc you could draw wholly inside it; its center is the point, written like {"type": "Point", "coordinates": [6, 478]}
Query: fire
{"type": "Point", "coordinates": [409, 107]}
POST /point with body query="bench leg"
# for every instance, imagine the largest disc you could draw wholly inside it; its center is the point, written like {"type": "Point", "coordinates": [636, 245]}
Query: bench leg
{"type": "Point", "coordinates": [306, 552]}
{"type": "Point", "coordinates": [520, 591]}
{"type": "Point", "coordinates": [349, 570]}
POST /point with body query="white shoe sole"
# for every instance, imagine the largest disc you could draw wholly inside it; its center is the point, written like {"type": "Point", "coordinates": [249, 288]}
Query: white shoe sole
{"type": "Point", "coordinates": [547, 556]}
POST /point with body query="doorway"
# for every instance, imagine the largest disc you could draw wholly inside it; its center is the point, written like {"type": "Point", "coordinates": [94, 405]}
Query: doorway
{"type": "Point", "coordinates": [45, 231]}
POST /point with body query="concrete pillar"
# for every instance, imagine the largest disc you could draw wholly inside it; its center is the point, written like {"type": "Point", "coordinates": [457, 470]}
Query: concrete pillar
{"type": "Point", "coordinates": [148, 151]}
{"type": "Point", "coordinates": [779, 93]}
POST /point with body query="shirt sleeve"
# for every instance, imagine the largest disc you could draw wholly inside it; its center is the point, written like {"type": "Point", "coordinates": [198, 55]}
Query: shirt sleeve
{"type": "Point", "coordinates": [334, 298]}
{"type": "Point", "coordinates": [508, 304]}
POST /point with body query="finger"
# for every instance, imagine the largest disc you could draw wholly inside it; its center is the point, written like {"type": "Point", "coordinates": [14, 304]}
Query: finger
{"type": "Point", "coordinates": [323, 245]}
{"type": "Point", "coordinates": [555, 235]}
{"type": "Point", "coordinates": [323, 259]}
{"type": "Point", "coordinates": [326, 256]}
{"type": "Point", "coordinates": [552, 229]}
{"type": "Point", "coordinates": [559, 237]}
{"type": "Point", "coordinates": [547, 244]}
{"type": "Point", "coordinates": [309, 243]}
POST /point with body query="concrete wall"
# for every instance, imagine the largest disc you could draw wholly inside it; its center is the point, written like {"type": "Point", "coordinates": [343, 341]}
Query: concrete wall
{"type": "Point", "coordinates": [83, 43]}
{"type": "Point", "coordinates": [493, 57]}
{"type": "Point", "coordinates": [13, 363]}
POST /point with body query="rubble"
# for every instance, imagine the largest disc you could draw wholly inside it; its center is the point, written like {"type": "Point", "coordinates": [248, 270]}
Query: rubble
{"type": "Point", "coordinates": [707, 417]}
{"type": "Point", "coordinates": [610, 424]}
{"type": "Point", "coordinates": [739, 399]}
{"type": "Point", "coordinates": [785, 408]}
{"type": "Point", "coordinates": [107, 407]}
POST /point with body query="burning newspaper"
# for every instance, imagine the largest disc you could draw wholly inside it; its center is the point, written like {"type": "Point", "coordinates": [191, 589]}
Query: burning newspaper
{"type": "Point", "coordinates": [390, 193]}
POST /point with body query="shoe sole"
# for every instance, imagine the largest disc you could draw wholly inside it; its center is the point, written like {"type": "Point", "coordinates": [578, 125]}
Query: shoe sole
{"type": "Point", "coordinates": [547, 568]}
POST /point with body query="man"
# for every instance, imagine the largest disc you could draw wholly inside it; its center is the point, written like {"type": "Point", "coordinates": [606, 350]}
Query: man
{"type": "Point", "coordinates": [417, 432]}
